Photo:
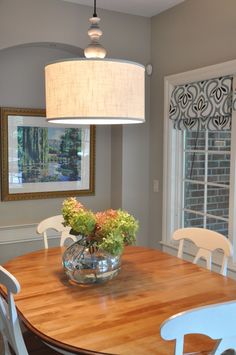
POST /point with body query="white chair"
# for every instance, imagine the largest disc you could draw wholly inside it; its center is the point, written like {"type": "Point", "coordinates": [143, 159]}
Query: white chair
{"type": "Point", "coordinates": [10, 325]}
{"type": "Point", "coordinates": [207, 241]}
{"type": "Point", "coordinates": [217, 321]}
{"type": "Point", "coordinates": [55, 223]}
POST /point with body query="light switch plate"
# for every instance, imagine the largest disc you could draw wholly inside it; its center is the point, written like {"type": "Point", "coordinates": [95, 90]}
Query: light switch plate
{"type": "Point", "coordinates": [156, 185]}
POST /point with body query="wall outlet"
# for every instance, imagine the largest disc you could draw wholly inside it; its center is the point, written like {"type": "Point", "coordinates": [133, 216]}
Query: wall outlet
{"type": "Point", "coordinates": [156, 185]}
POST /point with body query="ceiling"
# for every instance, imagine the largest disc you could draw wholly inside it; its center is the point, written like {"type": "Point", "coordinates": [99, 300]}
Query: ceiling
{"type": "Point", "coordinates": [147, 8]}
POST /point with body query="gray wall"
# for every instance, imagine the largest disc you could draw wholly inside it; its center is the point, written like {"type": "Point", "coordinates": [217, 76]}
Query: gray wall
{"type": "Point", "coordinates": [22, 85]}
{"type": "Point", "coordinates": [194, 34]}
{"type": "Point", "coordinates": [122, 174]}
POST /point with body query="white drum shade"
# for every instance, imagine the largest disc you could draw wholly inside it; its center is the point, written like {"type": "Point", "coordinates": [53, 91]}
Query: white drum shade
{"type": "Point", "coordinates": [95, 91]}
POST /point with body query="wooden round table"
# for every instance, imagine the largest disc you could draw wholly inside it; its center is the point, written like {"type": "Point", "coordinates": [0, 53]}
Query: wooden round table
{"type": "Point", "coordinates": [122, 316]}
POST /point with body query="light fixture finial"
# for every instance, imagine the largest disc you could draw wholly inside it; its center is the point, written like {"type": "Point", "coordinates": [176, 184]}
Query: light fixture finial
{"type": "Point", "coordinates": [95, 49]}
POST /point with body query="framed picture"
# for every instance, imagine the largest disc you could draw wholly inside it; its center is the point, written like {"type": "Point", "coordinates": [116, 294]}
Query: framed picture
{"type": "Point", "coordinates": [44, 160]}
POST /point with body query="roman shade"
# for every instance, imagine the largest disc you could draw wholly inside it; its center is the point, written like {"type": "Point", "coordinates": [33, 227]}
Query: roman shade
{"type": "Point", "coordinates": [202, 105]}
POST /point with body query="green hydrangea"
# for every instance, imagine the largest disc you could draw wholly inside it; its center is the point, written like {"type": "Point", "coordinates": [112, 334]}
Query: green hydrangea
{"type": "Point", "coordinates": [81, 221]}
{"type": "Point", "coordinates": [110, 230]}
{"type": "Point", "coordinates": [113, 243]}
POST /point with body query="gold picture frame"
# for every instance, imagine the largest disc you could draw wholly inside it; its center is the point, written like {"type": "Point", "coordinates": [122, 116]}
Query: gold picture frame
{"type": "Point", "coordinates": [44, 160]}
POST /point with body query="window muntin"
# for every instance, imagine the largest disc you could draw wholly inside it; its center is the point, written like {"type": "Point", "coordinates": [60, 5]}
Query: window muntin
{"type": "Point", "coordinates": [205, 179]}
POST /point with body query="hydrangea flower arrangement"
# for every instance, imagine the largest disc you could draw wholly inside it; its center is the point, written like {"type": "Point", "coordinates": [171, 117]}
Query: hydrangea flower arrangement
{"type": "Point", "coordinates": [110, 230]}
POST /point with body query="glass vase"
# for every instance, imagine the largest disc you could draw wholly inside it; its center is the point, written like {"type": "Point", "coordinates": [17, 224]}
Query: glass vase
{"type": "Point", "coordinates": [88, 265]}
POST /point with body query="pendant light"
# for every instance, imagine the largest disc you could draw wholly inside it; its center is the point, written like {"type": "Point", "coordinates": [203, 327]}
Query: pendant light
{"type": "Point", "coordinates": [95, 90]}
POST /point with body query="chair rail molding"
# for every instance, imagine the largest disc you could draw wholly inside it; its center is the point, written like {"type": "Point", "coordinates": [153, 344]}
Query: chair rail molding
{"type": "Point", "coordinates": [22, 233]}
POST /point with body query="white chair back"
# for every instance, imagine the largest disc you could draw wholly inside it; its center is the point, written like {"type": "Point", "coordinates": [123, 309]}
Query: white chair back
{"type": "Point", "coordinates": [216, 321]}
{"type": "Point", "coordinates": [56, 223]}
{"type": "Point", "coordinates": [9, 322]}
{"type": "Point", "coordinates": [10, 326]}
{"type": "Point", "coordinates": [207, 241]}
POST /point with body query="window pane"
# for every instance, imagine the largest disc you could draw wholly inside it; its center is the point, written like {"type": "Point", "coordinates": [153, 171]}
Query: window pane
{"type": "Point", "coordinates": [195, 140]}
{"type": "Point", "coordinates": [192, 220]}
{"type": "Point", "coordinates": [218, 201]}
{"type": "Point", "coordinates": [219, 168]}
{"type": "Point", "coordinates": [194, 166]}
{"type": "Point", "coordinates": [219, 140]}
{"type": "Point", "coordinates": [217, 226]}
{"type": "Point", "coordinates": [193, 196]}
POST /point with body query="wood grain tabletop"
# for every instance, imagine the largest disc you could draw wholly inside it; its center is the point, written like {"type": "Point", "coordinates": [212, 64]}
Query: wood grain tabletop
{"type": "Point", "coordinates": [122, 316]}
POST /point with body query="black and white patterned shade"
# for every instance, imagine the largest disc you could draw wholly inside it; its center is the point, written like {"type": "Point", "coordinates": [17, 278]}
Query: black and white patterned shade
{"type": "Point", "coordinates": [202, 105]}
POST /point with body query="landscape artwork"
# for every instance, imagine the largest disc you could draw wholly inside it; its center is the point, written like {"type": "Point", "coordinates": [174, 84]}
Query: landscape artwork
{"type": "Point", "coordinates": [40, 159]}
{"type": "Point", "coordinates": [49, 154]}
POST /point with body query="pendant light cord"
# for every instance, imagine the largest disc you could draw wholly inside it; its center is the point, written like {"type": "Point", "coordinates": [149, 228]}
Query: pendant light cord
{"type": "Point", "coordinates": [95, 9]}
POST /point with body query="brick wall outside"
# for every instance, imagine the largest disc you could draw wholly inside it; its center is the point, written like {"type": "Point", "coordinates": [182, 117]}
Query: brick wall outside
{"type": "Point", "coordinates": [218, 172]}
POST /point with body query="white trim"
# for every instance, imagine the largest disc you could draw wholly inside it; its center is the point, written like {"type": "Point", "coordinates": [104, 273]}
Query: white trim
{"type": "Point", "coordinates": [232, 195]}
{"type": "Point", "coordinates": [167, 148]}
{"type": "Point", "coordinates": [207, 151]}
{"type": "Point", "coordinates": [200, 182]}
{"type": "Point", "coordinates": [205, 73]}
{"type": "Point", "coordinates": [206, 181]}
{"type": "Point", "coordinates": [29, 240]}
{"type": "Point", "coordinates": [23, 233]}
{"type": "Point", "coordinates": [18, 226]}
{"type": "Point", "coordinates": [208, 215]}
{"type": "Point", "coordinates": [178, 184]}
{"type": "Point", "coordinates": [214, 71]}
